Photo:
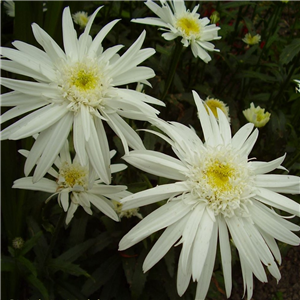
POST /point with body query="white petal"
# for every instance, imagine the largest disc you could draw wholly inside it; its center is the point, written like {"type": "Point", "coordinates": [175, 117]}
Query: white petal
{"type": "Point", "coordinates": [249, 144]}
{"type": "Point", "coordinates": [261, 167]}
{"type": "Point", "coordinates": [79, 140]}
{"type": "Point", "coordinates": [73, 207]}
{"type": "Point", "coordinates": [157, 163]}
{"type": "Point", "coordinates": [205, 278]}
{"type": "Point", "coordinates": [163, 244]}
{"type": "Point", "coordinates": [279, 201]}
{"type": "Point", "coordinates": [153, 195]}
{"type": "Point", "coordinates": [183, 277]}
{"type": "Point", "coordinates": [44, 185]}
{"type": "Point", "coordinates": [103, 206]}
{"type": "Point", "coordinates": [162, 217]}
{"type": "Point", "coordinates": [85, 120]}
{"type": "Point", "coordinates": [224, 127]}
{"type": "Point", "coordinates": [245, 246]}
{"type": "Point", "coordinates": [150, 21]}
{"type": "Point", "coordinates": [240, 137]}
{"type": "Point", "coordinates": [64, 200]}
{"type": "Point", "coordinates": [55, 143]}
{"type": "Point", "coordinates": [201, 245]}
{"type": "Point", "coordinates": [225, 254]}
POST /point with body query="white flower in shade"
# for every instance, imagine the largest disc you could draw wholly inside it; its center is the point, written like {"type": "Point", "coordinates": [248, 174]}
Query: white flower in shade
{"type": "Point", "coordinates": [81, 18]}
{"type": "Point", "coordinates": [219, 193]}
{"type": "Point", "coordinates": [257, 115]}
{"type": "Point", "coordinates": [251, 39]}
{"type": "Point", "coordinates": [177, 21]}
{"type": "Point", "coordinates": [76, 185]}
{"type": "Point", "coordinates": [75, 88]}
{"type": "Point", "coordinates": [297, 88]}
{"type": "Point", "coordinates": [134, 212]}
{"type": "Point", "coordinates": [9, 6]}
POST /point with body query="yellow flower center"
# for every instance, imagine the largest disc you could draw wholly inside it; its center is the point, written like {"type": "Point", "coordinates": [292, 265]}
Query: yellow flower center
{"type": "Point", "coordinates": [85, 83]}
{"type": "Point", "coordinates": [84, 79]}
{"type": "Point", "coordinates": [218, 175]}
{"type": "Point", "coordinates": [71, 175]}
{"type": "Point", "coordinates": [189, 26]}
{"type": "Point", "coordinates": [213, 104]}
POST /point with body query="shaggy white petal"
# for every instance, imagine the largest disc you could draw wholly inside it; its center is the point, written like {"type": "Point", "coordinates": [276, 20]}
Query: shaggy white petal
{"type": "Point", "coordinates": [45, 185]}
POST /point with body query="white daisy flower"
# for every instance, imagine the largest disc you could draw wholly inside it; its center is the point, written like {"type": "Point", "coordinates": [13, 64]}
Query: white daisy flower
{"type": "Point", "coordinates": [257, 115]}
{"type": "Point", "coordinates": [298, 83]}
{"type": "Point", "coordinates": [76, 185]}
{"type": "Point", "coordinates": [219, 193]}
{"type": "Point", "coordinates": [251, 39]}
{"type": "Point", "coordinates": [75, 88]}
{"type": "Point", "coordinates": [177, 21]}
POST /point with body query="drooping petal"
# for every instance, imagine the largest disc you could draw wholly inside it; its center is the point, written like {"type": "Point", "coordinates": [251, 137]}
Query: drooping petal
{"type": "Point", "coordinates": [44, 185]}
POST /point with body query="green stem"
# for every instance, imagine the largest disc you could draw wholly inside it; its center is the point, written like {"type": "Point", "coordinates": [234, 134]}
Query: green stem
{"type": "Point", "coordinates": [59, 224]}
{"type": "Point", "coordinates": [174, 62]}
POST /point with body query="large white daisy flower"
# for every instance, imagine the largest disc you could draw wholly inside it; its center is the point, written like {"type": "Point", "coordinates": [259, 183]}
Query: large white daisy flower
{"type": "Point", "coordinates": [75, 87]}
{"type": "Point", "coordinates": [177, 21]}
{"type": "Point", "coordinates": [219, 193]}
{"type": "Point", "coordinates": [76, 185]}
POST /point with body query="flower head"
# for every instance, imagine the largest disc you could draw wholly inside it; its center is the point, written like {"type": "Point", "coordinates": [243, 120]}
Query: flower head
{"type": "Point", "coordinates": [257, 115]}
{"type": "Point", "coordinates": [81, 18]}
{"type": "Point", "coordinates": [76, 185]}
{"type": "Point", "coordinates": [9, 6]}
{"type": "Point", "coordinates": [214, 104]}
{"type": "Point", "coordinates": [134, 212]}
{"type": "Point", "coordinates": [298, 83]}
{"type": "Point", "coordinates": [251, 39]}
{"type": "Point", "coordinates": [177, 21]}
{"type": "Point", "coordinates": [219, 191]}
{"type": "Point", "coordinates": [75, 88]}
{"type": "Point", "coordinates": [18, 243]}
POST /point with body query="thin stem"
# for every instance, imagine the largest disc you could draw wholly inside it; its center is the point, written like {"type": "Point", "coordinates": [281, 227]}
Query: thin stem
{"type": "Point", "coordinates": [59, 224]}
{"type": "Point", "coordinates": [173, 65]}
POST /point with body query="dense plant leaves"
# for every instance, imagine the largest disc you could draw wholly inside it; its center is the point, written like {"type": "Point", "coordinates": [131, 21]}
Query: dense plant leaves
{"type": "Point", "coordinates": [290, 51]}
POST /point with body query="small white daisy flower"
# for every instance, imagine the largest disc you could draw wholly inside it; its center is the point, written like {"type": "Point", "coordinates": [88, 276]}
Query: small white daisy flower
{"type": "Point", "coordinates": [76, 185]}
{"type": "Point", "coordinates": [219, 194]}
{"type": "Point", "coordinates": [177, 21]}
{"type": "Point", "coordinates": [75, 88]}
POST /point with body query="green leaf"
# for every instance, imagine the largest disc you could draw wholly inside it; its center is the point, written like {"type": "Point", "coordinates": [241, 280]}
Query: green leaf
{"type": "Point", "coordinates": [8, 264]}
{"type": "Point", "coordinates": [236, 4]}
{"type": "Point", "coordinates": [30, 243]}
{"type": "Point", "coordinates": [290, 51]}
{"type": "Point", "coordinates": [27, 264]}
{"type": "Point", "coordinates": [75, 252]}
{"type": "Point", "coordinates": [103, 274]}
{"type": "Point", "coordinates": [257, 75]}
{"type": "Point", "coordinates": [67, 267]}
{"type": "Point", "coordinates": [39, 285]}
{"type": "Point", "coordinates": [69, 291]}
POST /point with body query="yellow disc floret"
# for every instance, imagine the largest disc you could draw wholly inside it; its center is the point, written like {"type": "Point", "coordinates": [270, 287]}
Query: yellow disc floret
{"type": "Point", "coordinates": [213, 104]}
{"type": "Point", "coordinates": [189, 26]}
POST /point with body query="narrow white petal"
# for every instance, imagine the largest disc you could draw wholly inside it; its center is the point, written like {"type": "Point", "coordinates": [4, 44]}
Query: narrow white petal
{"type": "Point", "coordinates": [16, 98]}
{"type": "Point", "coordinates": [189, 234]}
{"type": "Point", "coordinates": [201, 245]}
{"type": "Point", "coordinates": [261, 167]}
{"type": "Point", "coordinates": [279, 201]}
{"type": "Point", "coordinates": [224, 127]}
{"type": "Point", "coordinates": [103, 206]}
{"type": "Point", "coordinates": [250, 142]}
{"type": "Point", "coordinates": [56, 141]}
{"type": "Point", "coordinates": [73, 207]}
{"type": "Point", "coordinates": [162, 217]}
{"type": "Point", "coordinates": [64, 200]}
{"type": "Point", "coordinates": [205, 278]}
{"type": "Point", "coordinates": [79, 140]}
{"type": "Point", "coordinates": [150, 21]}
{"type": "Point", "coordinates": [245, 246]}
{"type": "Point", "coordinates": [44, 185]}
{"type": "Point", "coordinates": [247, 276]}
{"type": "Point", "coordinates": [164, 243]}
{"type": "Point", "coordinates": [157, 163]}
{"type": "Point", "coordinates": [69, 35]}
{"type": "Point", "coordinates": [85, 120]}
{"type": "Point", "coordinates": [153, 195]}
{"type": "Point", "coordinates": [183, 277]}
{"type": "Point", "coordinates": [225, 254]}
{"type": "Point", "coordinates": [99, 161]}
{"type": "Point", "coordinates": [99, 38]}
{"type": "Point", "coordinates": [240, 137]}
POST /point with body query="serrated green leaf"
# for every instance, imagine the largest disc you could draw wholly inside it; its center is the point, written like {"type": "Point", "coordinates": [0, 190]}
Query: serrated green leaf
{"type": "Point", "coordinates": [39, 285]}
{"type": "Point", "coordinates": [290, 51]}
{"type": "Point", "coordinates": [7, 264]}
{"type": "Point", "coordinates": [30, 243]}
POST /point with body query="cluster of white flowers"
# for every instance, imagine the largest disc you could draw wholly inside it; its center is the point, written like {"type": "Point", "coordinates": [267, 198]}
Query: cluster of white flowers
{"type": "Point", "coordinates": [220, 195]}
